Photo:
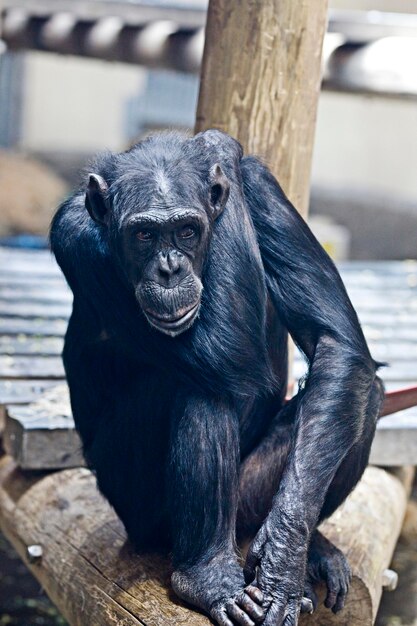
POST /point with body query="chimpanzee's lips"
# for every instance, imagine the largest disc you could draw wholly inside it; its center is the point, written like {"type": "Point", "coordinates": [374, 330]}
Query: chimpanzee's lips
{"type": "Point", "coordinates": [173, 325]}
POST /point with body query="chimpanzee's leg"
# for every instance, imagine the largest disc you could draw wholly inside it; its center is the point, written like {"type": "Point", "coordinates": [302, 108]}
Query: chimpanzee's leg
{"type": "Point", "coordinates": [203, 485]}
{"type": "Point", "coordinates": [259, 479]}
{"type": "Point", "coordinates": [261, 470]}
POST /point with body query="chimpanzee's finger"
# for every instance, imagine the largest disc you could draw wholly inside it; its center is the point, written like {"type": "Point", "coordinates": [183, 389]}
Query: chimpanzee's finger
{"type": "Point", "coordinates": [340, 601]}
{"type": "Point", "coordinates": [255, 593]}
{"type": "Point", "coordinates": [311, 595]}
{"type": "Point", "coordinates": [221, 617]}
{"type": "Point", "coordinates": [251, 607]}
{"type": "Point", "coordinates": [332, 593]}
{"type": "Point", "coordinates": [238, 614]}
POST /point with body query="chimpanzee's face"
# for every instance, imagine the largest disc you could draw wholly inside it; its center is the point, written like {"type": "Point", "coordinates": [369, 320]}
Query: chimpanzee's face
{"type": "Point", "coordinates": [162, 236]}
{"type": "Point", "coordinates": [164, 251]}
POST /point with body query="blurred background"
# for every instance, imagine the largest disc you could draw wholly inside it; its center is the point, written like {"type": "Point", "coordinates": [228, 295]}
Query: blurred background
{"type": "Point", "coordinates": [61, 100]}
{"type": "Point", "coordinates": [77, 77]}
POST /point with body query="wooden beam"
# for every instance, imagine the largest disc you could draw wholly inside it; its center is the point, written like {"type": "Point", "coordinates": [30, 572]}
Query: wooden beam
{"type": "Point", "coordinates": [260, 82]}
{"type": "Point", "coordinates": [104, 582]}
{"type": "Point", "coordinates": [42, 435]}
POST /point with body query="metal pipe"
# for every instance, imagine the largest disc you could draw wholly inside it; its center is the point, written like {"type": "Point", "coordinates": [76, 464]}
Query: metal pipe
{"type": "Point", "coordinates": [364, 52]}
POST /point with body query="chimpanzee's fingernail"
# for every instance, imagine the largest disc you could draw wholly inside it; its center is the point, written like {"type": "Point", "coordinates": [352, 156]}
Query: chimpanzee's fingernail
{"type": "Point", "coordinates": [307, 606]}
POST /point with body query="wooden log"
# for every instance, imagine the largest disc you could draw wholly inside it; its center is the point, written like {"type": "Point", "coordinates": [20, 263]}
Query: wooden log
{"type": "Point", "coordinates": [260, 82]}
{"type": "Point", "coordinates": [92, 575]}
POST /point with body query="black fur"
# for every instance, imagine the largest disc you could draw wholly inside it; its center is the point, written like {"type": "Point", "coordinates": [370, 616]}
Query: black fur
{"type": "Point", "coordinates": [166, 421]}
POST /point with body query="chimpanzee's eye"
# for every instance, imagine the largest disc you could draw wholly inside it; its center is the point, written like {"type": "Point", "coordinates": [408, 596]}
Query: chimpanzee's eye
{"type": "Point", "coordinates": [144, 235]}
{"type": "Point", "coordinates": [187, 232]}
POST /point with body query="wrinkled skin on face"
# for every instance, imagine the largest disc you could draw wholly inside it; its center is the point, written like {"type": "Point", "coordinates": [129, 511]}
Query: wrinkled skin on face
{"type": "Point", "coordinates": [169, 252]}
{"type": "Point", "coordinates": [162, 244]}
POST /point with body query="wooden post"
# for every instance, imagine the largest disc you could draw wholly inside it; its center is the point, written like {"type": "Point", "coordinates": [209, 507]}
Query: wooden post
{"type": "Point", "coordinates": [260, 82]}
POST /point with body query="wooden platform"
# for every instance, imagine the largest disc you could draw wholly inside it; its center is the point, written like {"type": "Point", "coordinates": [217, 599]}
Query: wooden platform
{"type": "Point", "coordinates": [34, 307]}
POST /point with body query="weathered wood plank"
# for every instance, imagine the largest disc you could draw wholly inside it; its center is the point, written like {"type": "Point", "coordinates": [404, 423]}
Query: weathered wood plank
{"type": "Point", "coordinates": [21, 261]}
{"type": "Point", "coordinates": [27, 294]}
{"type": "Point", "coordinates": [45, 283]}
{"type": "Point", "coordinates": [377, 281]}
{"type": "Point", "coordinates": [21, 345]}
{"type": "Point", "coordinates": [41, 435]}
{"type": "Point", "coordinates": [32, 366]}
{"type": "Point", "coordinates": [33, 310]}
{"type": "Point", "coordinates": [38, 327]}
{"type": "Point", "coordinates": [395, 441]}
{"type": "Point", "coordinates": [35, 430]}
{"type": "Point", "coordinates": [23, 391]}
{"type": "Point", "coordinates": [377, 319]}
{"type": "Point", "coordinates": [393, 351]}
{"type": "Point", "coordinates": [391, 333]}
{"type": "Point", "coordinates": [405, 371]}
{"type": "Point", "coordinates": [65, 514]}
{"type": "Point", "coordinates": [385, 268]}
{"type": "Point", "coordinates": [29, 269]}
{"type": "Point", "coordinates": [7, 253]}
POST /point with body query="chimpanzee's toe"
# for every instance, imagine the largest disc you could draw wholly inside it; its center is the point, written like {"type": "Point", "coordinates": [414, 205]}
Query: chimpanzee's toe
{"type": "Point", "coordinates": [327, 564]}
{"type": "Point", "coordinates": [219, 589]}
{"type": "Point", "coordinates": [310, 594]}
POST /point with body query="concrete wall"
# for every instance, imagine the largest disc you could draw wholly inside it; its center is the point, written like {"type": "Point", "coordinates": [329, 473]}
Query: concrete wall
{"type": "Point", "coordinates": [397, 6]}
{"type": "Point", "coordinates": [72, 104]}
{"type": "Point", "coordinates": [366, 143]}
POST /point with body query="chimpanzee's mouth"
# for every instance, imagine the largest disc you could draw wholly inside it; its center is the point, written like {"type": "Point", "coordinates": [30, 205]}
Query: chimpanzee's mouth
{"type": "Point", "coordinates": [176, 324]}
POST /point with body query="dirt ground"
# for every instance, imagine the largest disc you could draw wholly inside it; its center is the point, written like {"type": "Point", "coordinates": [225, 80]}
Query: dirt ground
{"type": "Point", "coordinates": [22, 602]}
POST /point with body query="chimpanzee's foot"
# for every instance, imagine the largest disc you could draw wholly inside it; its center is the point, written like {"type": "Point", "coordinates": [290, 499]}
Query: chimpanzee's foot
{"type": "Point", "coordinates": [327, 564]}
{"type": "Point", "coordinates": [219, 589]}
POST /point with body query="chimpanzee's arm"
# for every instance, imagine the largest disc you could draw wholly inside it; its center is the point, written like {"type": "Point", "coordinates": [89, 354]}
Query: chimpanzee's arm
{"type": "Point", "coordinates": [310, 298]}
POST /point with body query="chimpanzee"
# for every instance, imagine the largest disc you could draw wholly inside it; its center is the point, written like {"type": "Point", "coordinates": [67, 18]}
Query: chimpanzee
{"type": "Point", "coordinates": [189, 266]}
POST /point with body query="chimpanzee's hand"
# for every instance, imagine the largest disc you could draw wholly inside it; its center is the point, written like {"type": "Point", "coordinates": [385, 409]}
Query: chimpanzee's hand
{"type": "Point", "coordinates": [276, 561]}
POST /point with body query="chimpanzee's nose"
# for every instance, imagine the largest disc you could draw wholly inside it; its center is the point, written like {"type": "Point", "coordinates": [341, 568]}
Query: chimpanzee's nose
{"type": "Point", "coordinates": [169, 262]}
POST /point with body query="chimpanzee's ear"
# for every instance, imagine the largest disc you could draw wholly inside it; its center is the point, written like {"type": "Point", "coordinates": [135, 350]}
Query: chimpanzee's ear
{"type": "Point", "coordinates": [96, 201]}
{"type": "Point", "coordinates": [219, 190]}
